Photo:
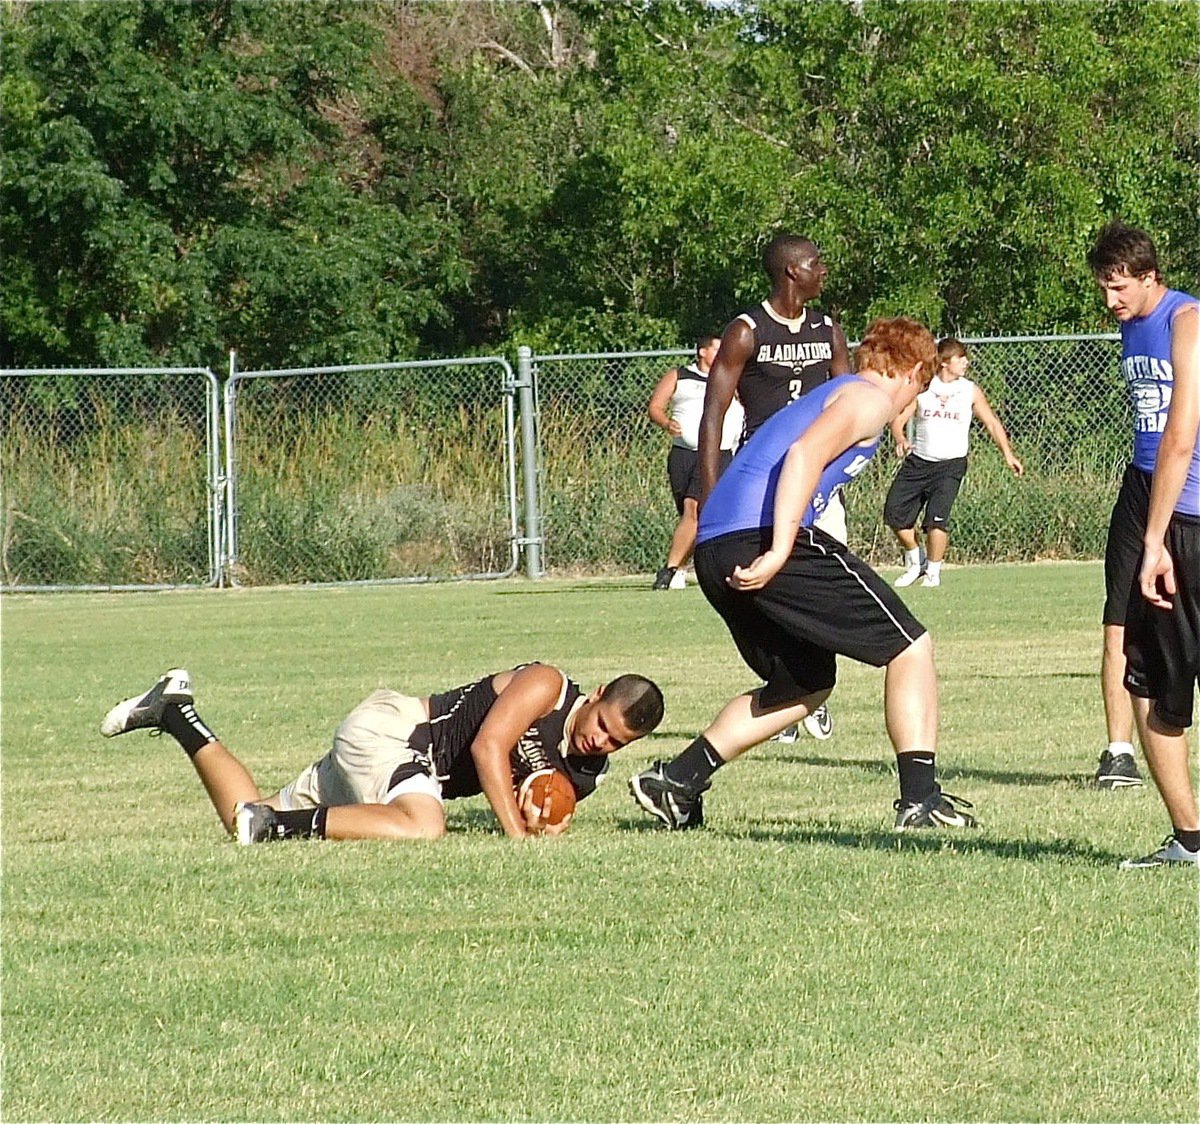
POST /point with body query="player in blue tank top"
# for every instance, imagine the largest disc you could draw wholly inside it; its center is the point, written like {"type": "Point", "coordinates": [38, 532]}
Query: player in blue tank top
{"type": "Point", "coordinates": [1125, 265]}
{"type": "Point", "coordinates": [744, 497]}
{"type": "Point", "coordinates": [1160, 358]}
{"type": "Point", "coordinates": [794, 598]}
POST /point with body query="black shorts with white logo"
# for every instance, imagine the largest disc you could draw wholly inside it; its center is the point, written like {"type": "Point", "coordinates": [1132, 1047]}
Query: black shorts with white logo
{"type": "Point", "coordinates": [1123, 547]}
{"type": "Point", "coordinates": [825, 602]}
{"type": "Point", "coordinates": [1162, 646]}
{"type": "Point", "coordinates": [683, 471]}
{"type": "Point", "coordinates": [932, 485]}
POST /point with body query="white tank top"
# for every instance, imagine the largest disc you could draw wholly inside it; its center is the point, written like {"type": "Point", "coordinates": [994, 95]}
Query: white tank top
{"type": "Point", "coordinates": [687, 407]}
{"type": "Point", "coordinates": [943, 420]}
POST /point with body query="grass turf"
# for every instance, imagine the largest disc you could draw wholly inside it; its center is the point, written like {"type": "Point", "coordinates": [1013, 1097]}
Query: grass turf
{"type": "Point", "coordinates": [794, 960]}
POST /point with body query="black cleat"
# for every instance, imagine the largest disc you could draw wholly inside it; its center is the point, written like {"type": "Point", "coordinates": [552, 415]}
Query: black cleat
{"type": "Point", "coordinates": [678, 806]}
{"type": "Point", "coordinates": [662, 580]}
{"type": "Point", "coordinates": [255, 823]}
{"type": "Point", "coordinates": [1117, 770]}
{"type": "Point", "coordinates": [936, 810]}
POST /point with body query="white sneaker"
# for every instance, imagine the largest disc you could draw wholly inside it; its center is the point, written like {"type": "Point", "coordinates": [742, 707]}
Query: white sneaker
{"type": "Point", "coordinates": [145, 711]}
{"type": "Point", "coordinates": [908, 577]}
{"type": "Point", "coordinates": [932, 581]}
{"type": "Point", "coordinates": [1171, 853]}
{"type": "Point", "coordinates": [819, 724]}
{"type": "Point", "coordinates": [788, 734]}
{"type": "Point", "coordinates": [678, 579]}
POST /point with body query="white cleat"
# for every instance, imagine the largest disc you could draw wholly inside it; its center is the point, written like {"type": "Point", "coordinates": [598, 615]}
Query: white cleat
{"type": "Point", "coordinates": [145, 711]}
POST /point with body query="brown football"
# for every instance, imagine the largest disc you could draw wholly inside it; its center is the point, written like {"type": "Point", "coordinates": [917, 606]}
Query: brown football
{"type": "Point", "coordinates": [552, 792]}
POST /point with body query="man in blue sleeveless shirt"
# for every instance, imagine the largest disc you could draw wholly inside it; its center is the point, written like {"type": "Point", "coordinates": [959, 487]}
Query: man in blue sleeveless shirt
{"type": "Point", "coordinates": [1152, 565]}
{"type": "Point", "coordinates": [794, 598]}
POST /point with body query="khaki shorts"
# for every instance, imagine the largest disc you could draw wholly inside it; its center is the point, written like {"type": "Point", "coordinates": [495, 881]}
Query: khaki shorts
{"type": "Point", "coordinates": [368, 747]}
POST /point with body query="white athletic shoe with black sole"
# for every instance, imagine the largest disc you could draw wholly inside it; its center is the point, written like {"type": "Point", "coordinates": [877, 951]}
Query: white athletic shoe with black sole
{"type": "Point", "coordinates": [145, 711]}
{"type": "Point", "coordinates": [819, 724]}
{"type": "Point", "coordinates": [1171, 853]}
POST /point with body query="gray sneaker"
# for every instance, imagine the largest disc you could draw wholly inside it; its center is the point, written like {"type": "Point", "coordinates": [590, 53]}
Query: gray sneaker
{"type": "Point", "coordinates": [145, 711]}
{"type": "Point", "coordinates": [1171, 853]}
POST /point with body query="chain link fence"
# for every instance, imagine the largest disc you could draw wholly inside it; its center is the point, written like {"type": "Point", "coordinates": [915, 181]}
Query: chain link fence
{"type": "Point", "coordinates": [384, 472]}
{"type": "Point", "coordinates": [110, 478]}
{"type": "Point", "coordinates": [115, 479]}
{"type": "Point", "coordinates": [606, 503]}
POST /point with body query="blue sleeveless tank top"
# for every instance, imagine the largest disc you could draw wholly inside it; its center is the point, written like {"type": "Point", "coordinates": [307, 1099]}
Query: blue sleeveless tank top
{"type": "Point", "coordinates": [744, 496]}
{"type": "Point", "coordinates": [1146, 365]}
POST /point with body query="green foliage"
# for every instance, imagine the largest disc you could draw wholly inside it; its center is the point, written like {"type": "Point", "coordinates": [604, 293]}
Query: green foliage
{"type": "Point", "coordinates": [336, 181]}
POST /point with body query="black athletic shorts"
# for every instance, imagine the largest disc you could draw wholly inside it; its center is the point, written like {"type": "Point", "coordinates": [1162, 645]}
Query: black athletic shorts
{"type": "Point", "coordinates": [1162, 646]}
{"type": "Point", "coordinates": [932, 485]}
{"type": "Point", "coordinates": [825, 602]}
{"type": "Point", "coordinates": [683, 470]}
{"type": "Point", "coordinates": [1123, 548]}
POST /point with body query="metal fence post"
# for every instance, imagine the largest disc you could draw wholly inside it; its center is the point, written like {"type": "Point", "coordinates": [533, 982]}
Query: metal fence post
{"type": "Point", "coordinates": [532, 541]}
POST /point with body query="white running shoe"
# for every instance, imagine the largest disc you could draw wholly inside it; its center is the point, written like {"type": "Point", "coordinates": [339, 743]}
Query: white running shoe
{"type": "Point", "coordinates": [1171, 853]}
{"type": "Point", "coordinates": [932, 581]}
{"type": "Point", "coordinates": [819, 724]}
{"type": "Point", "coordinates": [145, 711]}
{"type": "Point", "coordinates": [788, 734]}
{"type": "Point", "coordinates": [908, 577]}
{"type": "Point", "coordinates": [678, 579]}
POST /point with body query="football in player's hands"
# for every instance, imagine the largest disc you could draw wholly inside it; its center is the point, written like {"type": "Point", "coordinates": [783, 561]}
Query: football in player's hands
{"type": "Point", "coordinates": [549, 792]}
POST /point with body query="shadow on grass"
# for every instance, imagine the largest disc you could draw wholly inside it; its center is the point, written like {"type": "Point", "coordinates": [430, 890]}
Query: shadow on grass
{"type": "Point", "coordinates": [976, 842]}
{"type": "Point", "coordinates": [991, 776]}
{"type": "Point", "coordinates": [618, 586]}
{"type": "Point", "coordinates": [966, 843]}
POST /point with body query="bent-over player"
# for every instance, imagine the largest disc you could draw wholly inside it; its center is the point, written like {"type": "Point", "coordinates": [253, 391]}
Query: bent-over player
{"type": "Point", "coordinates": [794, 598]}
{"type": "Point", "coordinates": [395, 758]}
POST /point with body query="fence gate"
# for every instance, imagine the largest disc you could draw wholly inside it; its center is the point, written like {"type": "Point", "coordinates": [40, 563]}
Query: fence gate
{"type": "Point", "coordinates": [602, 463]}
{"type": "Point", "coordinates": [388, 472]}
{"type": "Point", "coordinates": [111, 478]}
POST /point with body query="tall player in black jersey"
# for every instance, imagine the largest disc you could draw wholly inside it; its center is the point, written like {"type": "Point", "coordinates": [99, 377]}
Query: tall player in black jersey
{"type": "Point", "coordinates": [770, 355]}
{"type": "Point", "coordinates": [396, 758]}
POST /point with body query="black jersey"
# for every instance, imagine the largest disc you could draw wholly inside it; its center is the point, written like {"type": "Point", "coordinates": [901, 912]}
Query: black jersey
{"type": "Point", "coordinates": [790, 358]}
{"type": "Point", "coordinates": [455, 717]}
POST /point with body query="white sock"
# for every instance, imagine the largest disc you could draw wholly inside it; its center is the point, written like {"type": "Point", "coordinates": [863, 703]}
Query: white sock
{"type": "Point", "coordinates": [1117, 748]}
{"type": "Point", "coordinates": [912, 558]}
{"type": "Point", "coordinates": [933, 569]}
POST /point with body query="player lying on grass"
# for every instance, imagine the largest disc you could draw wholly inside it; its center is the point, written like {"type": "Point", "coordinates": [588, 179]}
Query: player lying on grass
{"type": "Point", "coordinates": [794, 597]}
{"type": "Point", "coordinates": [396, 758]}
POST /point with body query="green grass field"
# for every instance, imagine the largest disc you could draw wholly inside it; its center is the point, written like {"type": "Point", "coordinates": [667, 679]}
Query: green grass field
{"type": "Point", "coordinates": [792, 961]}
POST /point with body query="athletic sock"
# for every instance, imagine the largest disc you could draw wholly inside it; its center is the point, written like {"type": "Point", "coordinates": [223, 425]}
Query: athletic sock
{"type": "Point", "coordinates": [1189, 840]}
{"type": "Point", "coordinates": [933, 569]}
{"type": "Point", "coordinates": [303, 823]}
{"type": "Point", "coordinates": [917, 775]}
{"type": "Point", "coordinates": [695, 765]}
{"type": "Point", "coordinates": [912, 558]}
{"type": "Point", "coordinates": [1117, 748]}
{"type": "Point", "coordinates": [186, 727]}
